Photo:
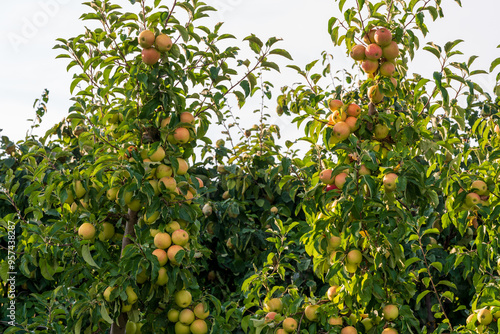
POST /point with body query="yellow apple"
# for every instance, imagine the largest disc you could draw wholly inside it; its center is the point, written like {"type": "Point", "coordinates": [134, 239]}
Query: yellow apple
{"type": "Point", "coordinates": [162, 240]}
{"type": "Point", "coordinates": [173, 315]}
{"type": "Point", "coordinates": [86, 231]}
{"type": "Point", "coordinates": [290, 325]}
{"type": "Point", "coordinates": [163, 171]}
{"type": "Point", "coordinates": [183, 167]}
{"type": "Point", "coordinates": [146, 39]}
{"type": "Point", "coordinates": [274, 305]}
{"type": "Point", "coordinates": [161, 255]}
{"type": "Point", "coordinates": [183, 298]}
{"type": "Point", "coordinates": [180, 328]}
{"type": "Point", "coordinates": [172, 252]}
{"type": "Point", "coordinates": [130, 327]}
{"type": "Point", "coordinates": [107, 231]}
{"type": "Point", "coordinates": [201, 311]}
{"type": "Point", "coordinates": [390, 312]}
{"type": "Point", "coordinates": [311, 312]}
{"type": "Point", "coordinates": [163, 43]}
{"type": "Point", "coordinates": [186, 316]}
{"type": "Point", "coordinates": [169, 183]}
{"type": "Point", "coordinates": [151, 218]}
{"type": "Point", "coordinates": [199, 327]}
{"type": "Point", "coordinates": [162, 276]}
{"type": "Point", "coordinates": [484, 316]}
{"type": "Point", "coordinates": [348, 330]}
{"type": "Point", "coordinates": [158, 155]}
{"type": "Point", "coordinates": [354, 257]}
{"type": "Point", "coordinates": [172, 226]}
{"type": "Point", "coordinates": [107, 293]}
{"type": "Point", "coordinates": [332, 292]}
{"type": "Point", "coordinates": [180, 237]}
{"type": "Point", "coordinates": [131, 295]}
{"type": "Point", "coordinates": [79, 189]}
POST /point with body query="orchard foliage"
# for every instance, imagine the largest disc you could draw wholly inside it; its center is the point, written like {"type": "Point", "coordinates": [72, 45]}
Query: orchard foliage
{"type": "Point", "coordinates": [130, 218]}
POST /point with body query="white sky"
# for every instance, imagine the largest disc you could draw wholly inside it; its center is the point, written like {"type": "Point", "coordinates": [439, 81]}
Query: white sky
{"type": "Point", "coordinates": [28, 30]}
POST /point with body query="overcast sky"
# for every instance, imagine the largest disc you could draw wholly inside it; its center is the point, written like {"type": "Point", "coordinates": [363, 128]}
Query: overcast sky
{"type": "Point", "coordinates": [28, 30]}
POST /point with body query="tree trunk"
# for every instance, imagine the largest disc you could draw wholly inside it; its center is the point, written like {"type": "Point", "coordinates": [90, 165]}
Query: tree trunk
{"type": "Point", "coordinates": [119, 327]}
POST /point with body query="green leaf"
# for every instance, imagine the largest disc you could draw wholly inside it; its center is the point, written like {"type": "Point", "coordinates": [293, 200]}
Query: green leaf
{"type": "Point", "coordinates": [271, 65]}
{"type": "Point", "coordinates": [87, 256]}
{"type": "Point", "coordinates": [105, 314]}
{"type": "Point", "coordinates": [422, 295]}
{"type": "Point", "coordinates": [281, 52]}
{"type": "Point", "coordinates": [437, 265]}
{"type": "Point", "coordinates": [431, 231]}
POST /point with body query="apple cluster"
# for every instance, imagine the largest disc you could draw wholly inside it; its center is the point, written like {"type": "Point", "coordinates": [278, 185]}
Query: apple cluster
{"type": "Point", "coordinates": [478, 195]}
{"type": "Point", "coordinates": [167, 247]}
{"type": "Point", "coordinates": [481, 318]}
{"type": "Point", "coordinates": [377, 57]}
{"type": "Point", "coordinates": [187, 318]}
{"type": "Point", "coordinates": [274, 307]}
{"type": "Point", "coordinates": [343, 120]}
{"type": "Point", "coordinates": [153, 46]}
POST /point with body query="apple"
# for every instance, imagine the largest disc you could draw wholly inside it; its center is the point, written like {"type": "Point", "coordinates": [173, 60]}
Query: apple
{"type": "Point", "coordinates": [173, 315]}
{"type": "Point", "coordinates": [375, 95]}
{"type": "Point", "coordinates": [187, 117]}
{"type": "Point", "coordinates": [130, 327]}
{"type": "Point", "coordinates": [161, 255]}
{"type": "Point", "coordinates": [348, 330]}
{"type": "Point", "coordinates": [199, 327]}
{"type": "Point", "coordinates": [131, 295]}
{"type": "Point", "coordinates": [484, 317]}
{"type": "Point", "coordinates": [126, 308]}
{"type": "Point", "coordinates": [86, 231]}
{"type": "Point", "coordinates": [472, 199]}
{"type": "Point", "coordinates": [311, 312]}
{"type": "Point", "coordinates": [369, 37]}
{"type": "Point", "coordinates": [335, 321]}
{"type": "Point", "coordinates": [180, 328]}
{"type": "Point", "coordinates": [389, 331]}
{"type": "Point", "coordinates": [393, 91]}
{"type": "Point", "coordinates": [390, 51]}
{"type": "Point", "coordinates": [383, 37]}
{"type": "Point", "coordinates": [70, 199]}
{"type": "Point", "coordinates": [79, 189]}
{"type": "Point", "coordinates": [163, 171]}
{"type": "Point", "coordinates": [390, 312]}
{"type": "Point", "coordinates": [363, 170]}
{"type": "Point", "coordinates": [180, 237]}
{"type": "Point", "coordinates": [169, 183]}
{"type": "Point", "coordinates": [367, 322]}
{"type": "Point", "coordinates": [340, 180]}
{"type": "Point", "coordinates": [135, 205]}
{"type": "Point", "coordinates": [381, 131]}
{"type": "Point", "coordinates": [186, 316]}
{"type": "Point", "coordinates": [353, 110]}
{"type": "Point", "coordinates": [152, 218]}
{"type": "Point", "coordinates": [181, 135]}
{"type": "Point", "coordinates": [352, 123]}
{"type": "Point", "coordinates": [154, 184]}
{"type": "Point", "coordinates": [172, 226]}
{"type": "Point", "coordinates": [158, 155]}
{"type": "Point", "coordinates": [389, 182]}
{"type": "Point", "coordinates": [183, 166]}
{"type": "Point", "coordinates": [338, 116]}
{"type": "Point", "coordinates": [335, 104]}
{"type": "Point", "coordinates": [326, 176]}
{"type": "Point", "coordinates": [142, 276]}
{"type": "Point", "coordinates": [207, 210]}
{"type": "Point", "coordinates": [107, 293]}
{"type": "Point", "coordinates": [358, 52]}
{"type": "Point", "coordinates": [107, 231]}
{"type": "Point", "coordinates": [274, 305]}
{"type": "Point", "coordinates": [334, 242]}
{"type": "Point", "coordinates": [150, 56]}
{"type": "Point", "coordinates": [270, 316]}
{"type": "Point", "coordinates": [290, 325]}
{"type": "Point", "coordinates": [354, 257]}
{"type": "Point", "coordinates": [330, 187]}
{"type": "Point", "coordinates": [341, 131]}
{"type": "Point", "coordinates": [162, 240]}
{"type": "Point", "coordinates": [274, 210]}
{"type": "Point", "coordinates": [373, 52]}
{"type": "Point", "coordinates": [146, 39]}
{"type": "Point", "coordinates": [172, 252]}
{"type": "Point", "coordinates": [332, 292]}
{"type": "Point", "coordinates": [163, 43]}
{"type": "Point", "coordinates": [201, 311]}
{"type": "Point", "coordinates": [387, 69]}
{"type": "Point", "coordinates": [280, 331]}
{"type": "Point", "coordinates": [480, 187]}
{"type": "Point", "coordinates": [183, 298]}
{"type": "Point", "coordinates": [369, 66]}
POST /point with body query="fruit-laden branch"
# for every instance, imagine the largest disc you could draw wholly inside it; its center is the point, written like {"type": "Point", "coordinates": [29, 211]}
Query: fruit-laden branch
{"type": "Point", "coordinates": [119, 326]}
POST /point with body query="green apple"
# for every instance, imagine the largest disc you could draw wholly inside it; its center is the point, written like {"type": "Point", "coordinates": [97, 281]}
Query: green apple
{"type": "Point", "coordinates": [162, 276]}
{"type": "Point", "coordinates": [86, 231]}
{"type": "Point", "coordinates": [79, 189]}
{"type": "Point", "coordinates": [390, 312]}
{"type": "Point", "coordinates": [484, 316]}
{"type": "Point", "coordinates": [311, 312]}
{"type": "Point", "coordinates": [354, 257]}
{"type": "Point", "coordinates": [107, 293]}
{"type": "Point", "coordinates": [201, 311]}
{"type": "Point", "coordinates": [173, 315]}
{"type": "Point", "coordinates": [131, 295]}
{"type": "Point", "coordinates": [183, 298]}
{"type": "Point", "coordinates": [186, 316]}
{"type": "Point", "coordinates": [130, 328]}
{"type": "Point", "coordinates": [107, 231]}
{"type": "Point", "coordinates": [274, 305]}
{"type": "Point", "coordinates": [180, 328]}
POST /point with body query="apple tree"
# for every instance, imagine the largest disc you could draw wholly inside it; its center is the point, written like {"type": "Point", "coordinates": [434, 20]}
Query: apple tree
{"type": "Point", "coordinates": [403, 207]}
{"type": "Point", "coordinates": [107, 202]}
